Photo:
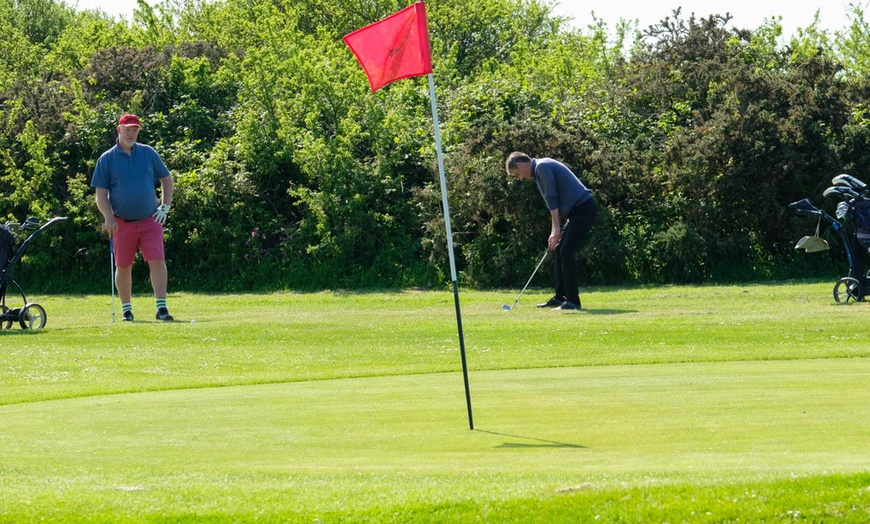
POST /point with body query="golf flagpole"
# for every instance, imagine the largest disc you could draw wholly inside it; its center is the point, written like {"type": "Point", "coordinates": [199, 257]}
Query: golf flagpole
{"type": "Point", "coordinates": [394, 48]}
{"type": "Point", "coordinates": [450, 245]}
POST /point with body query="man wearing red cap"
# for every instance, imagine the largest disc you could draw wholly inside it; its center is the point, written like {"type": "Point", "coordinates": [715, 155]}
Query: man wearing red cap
{"type": "Point", "coordinates": [125, 179]}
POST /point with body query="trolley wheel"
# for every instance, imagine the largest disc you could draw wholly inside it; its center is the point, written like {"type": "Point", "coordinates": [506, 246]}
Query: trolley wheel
{"type": "Point", "coordinates": [848, 288]}
{"type": "Point", "coordinates": [32, 316]}
{"type": "Point", "coordinates": [5, 324]}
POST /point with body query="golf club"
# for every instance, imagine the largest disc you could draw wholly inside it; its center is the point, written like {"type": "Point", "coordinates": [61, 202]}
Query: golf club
{"type": "Point", "coordinates": [507, 307]}
{"type": "Point", "coordinates": [112, 271]}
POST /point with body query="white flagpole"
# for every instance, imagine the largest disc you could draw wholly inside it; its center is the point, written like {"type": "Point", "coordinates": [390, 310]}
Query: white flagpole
{"type": "Point", "coordinates": [450, 244]}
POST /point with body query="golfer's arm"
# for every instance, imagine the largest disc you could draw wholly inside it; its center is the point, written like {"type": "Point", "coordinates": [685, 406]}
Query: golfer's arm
{"type": "Point", "coordinates": [166, 187]}
{"type": "Point", "coordinates": [556, 221]}
{"type": "Point", "coordinates": [103, 204]}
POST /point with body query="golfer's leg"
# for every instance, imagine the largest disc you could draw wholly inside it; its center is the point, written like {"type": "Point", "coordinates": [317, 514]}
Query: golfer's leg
{"type": "Point", "coordinates": [124, 283]}
{"type": "Point", "coordinates": [575, 234]}
{"type": "Point", "coordinates": [560, 283]}
{"type": "Point", "coordinates": [151, 244]}
{"type": "Point", "coordinates": [565, 259]}
{"type": "Point", "coordinates": [125, 242]}
{"type": "Point", "coordinates": [159, 277]}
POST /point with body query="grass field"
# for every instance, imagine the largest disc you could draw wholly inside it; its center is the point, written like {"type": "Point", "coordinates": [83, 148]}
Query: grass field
{"type": "Point", "coordinates": [744, 403]}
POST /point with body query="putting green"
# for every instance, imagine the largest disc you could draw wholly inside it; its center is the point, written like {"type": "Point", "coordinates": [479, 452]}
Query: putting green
{"type": "Point", "coordinates": [732, 418]}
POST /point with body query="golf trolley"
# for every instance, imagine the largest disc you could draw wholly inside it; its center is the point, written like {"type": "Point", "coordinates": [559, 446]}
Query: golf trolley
{"type": "Point", "coordinates": [852, 225]}
{"type": "Point", "coordinates": [13, 245]}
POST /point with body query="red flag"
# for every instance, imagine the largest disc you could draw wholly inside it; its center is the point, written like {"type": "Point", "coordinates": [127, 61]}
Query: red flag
{"type": "Point", "coordinates": [396, 47]}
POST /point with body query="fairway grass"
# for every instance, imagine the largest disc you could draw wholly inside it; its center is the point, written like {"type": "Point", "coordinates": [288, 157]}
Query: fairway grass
{"type": "Point", "coordinates": [673, 404]}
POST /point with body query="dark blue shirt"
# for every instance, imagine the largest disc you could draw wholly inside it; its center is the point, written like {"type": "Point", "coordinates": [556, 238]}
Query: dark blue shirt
{"type": "Point", "coordinates": [559, 186]}
{"type": "Point", "coordinates": [131, 180]}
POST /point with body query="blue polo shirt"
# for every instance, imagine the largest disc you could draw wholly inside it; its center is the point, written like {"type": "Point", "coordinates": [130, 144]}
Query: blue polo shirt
{"type": "Point", "coordinates": [131, 180]}
{"type": "Point", "coordinates": [559, 186]}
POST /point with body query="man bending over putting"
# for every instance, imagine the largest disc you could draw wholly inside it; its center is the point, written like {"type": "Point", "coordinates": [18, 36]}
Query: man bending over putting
{"type": "Point", "coordinates": [569, 200]}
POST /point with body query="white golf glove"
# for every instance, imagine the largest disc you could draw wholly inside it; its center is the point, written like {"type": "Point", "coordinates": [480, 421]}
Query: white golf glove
{"type": "Point", "coordinates": [842, 210]}
{"type": "Point", "coordinates": [161, 213]}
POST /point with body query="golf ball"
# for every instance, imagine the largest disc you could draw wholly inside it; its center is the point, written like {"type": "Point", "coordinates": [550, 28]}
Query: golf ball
{"type": "Point", "coordinates": [193, 321]}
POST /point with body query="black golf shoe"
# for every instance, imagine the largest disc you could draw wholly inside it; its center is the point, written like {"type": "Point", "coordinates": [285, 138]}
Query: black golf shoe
{"type": "Point", "coordinates": [568, 306]}
{"type": "Point", "coordinates": [553, 302]}
{"type": "Point", "coordinates": [127, 316]}
{"type": "Point", "coordinates": [163, 314]}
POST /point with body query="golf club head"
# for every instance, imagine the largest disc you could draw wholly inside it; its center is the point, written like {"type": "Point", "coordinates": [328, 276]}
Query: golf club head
{"type": "Point", "coordinates": [849, 180]}
{"type": "Point", "coordinates": [506, 307]}
{"type": "Point", "coordinates": [840, 191]}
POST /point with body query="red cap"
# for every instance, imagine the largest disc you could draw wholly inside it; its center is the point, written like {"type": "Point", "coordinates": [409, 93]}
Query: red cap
{"type": "Point", "coordinates": [129, 120]}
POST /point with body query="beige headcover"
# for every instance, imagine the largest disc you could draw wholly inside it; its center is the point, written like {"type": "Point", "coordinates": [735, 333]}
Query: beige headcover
{"type": "Point", "coordinates": [813, 244]}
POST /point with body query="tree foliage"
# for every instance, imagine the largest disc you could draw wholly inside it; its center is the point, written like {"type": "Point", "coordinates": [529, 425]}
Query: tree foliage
{"type": "Point", "coordinates": [290, 173]}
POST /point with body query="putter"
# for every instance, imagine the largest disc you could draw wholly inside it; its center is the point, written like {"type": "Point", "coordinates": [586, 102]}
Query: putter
{"type": "Point", "coordinates": [507, 307]}
{"type": "Point", "coordinates": [112, 271]}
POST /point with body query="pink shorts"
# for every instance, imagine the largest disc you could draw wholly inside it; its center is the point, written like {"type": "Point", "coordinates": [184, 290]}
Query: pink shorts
{"type": "Point", "coordinates": [145, 235]}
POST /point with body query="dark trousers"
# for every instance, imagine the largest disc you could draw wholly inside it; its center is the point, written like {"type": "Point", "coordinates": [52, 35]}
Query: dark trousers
{"type": "Point", "coordinates": [574, 234]}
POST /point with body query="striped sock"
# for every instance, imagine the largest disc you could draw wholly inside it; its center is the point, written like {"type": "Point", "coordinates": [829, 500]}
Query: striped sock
{"type": "Point", "coordinates": [161, 302]}
{"type": "Point", "coordinates": [126, 306]}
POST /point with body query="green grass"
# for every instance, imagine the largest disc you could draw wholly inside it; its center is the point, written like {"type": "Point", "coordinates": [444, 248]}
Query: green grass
{"type": "Point", "coordinates": [667, 404]}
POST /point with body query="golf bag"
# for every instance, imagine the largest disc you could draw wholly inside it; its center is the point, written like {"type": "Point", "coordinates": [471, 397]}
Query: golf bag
{"type": "Point", "coordinates": [861, 214]}
{"type": "Point", "coordinates": [7, 249]}
{"type": "Point", "coordinates": [13, 246]}
{"type": "Point", "coordinates": [852, 225]}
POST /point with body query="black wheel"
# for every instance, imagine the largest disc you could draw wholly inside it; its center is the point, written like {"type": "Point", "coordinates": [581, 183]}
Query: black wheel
{"type": "Point", "coordinates": [5, 324]}
{"type": "Point", "coordinates": [848, 288]}
{"type": "Point", "coordinates": [32, 316]}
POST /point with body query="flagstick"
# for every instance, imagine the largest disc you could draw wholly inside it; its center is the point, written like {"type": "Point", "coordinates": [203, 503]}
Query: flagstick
{"type": "Point", "coordinates": [450, 245]}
